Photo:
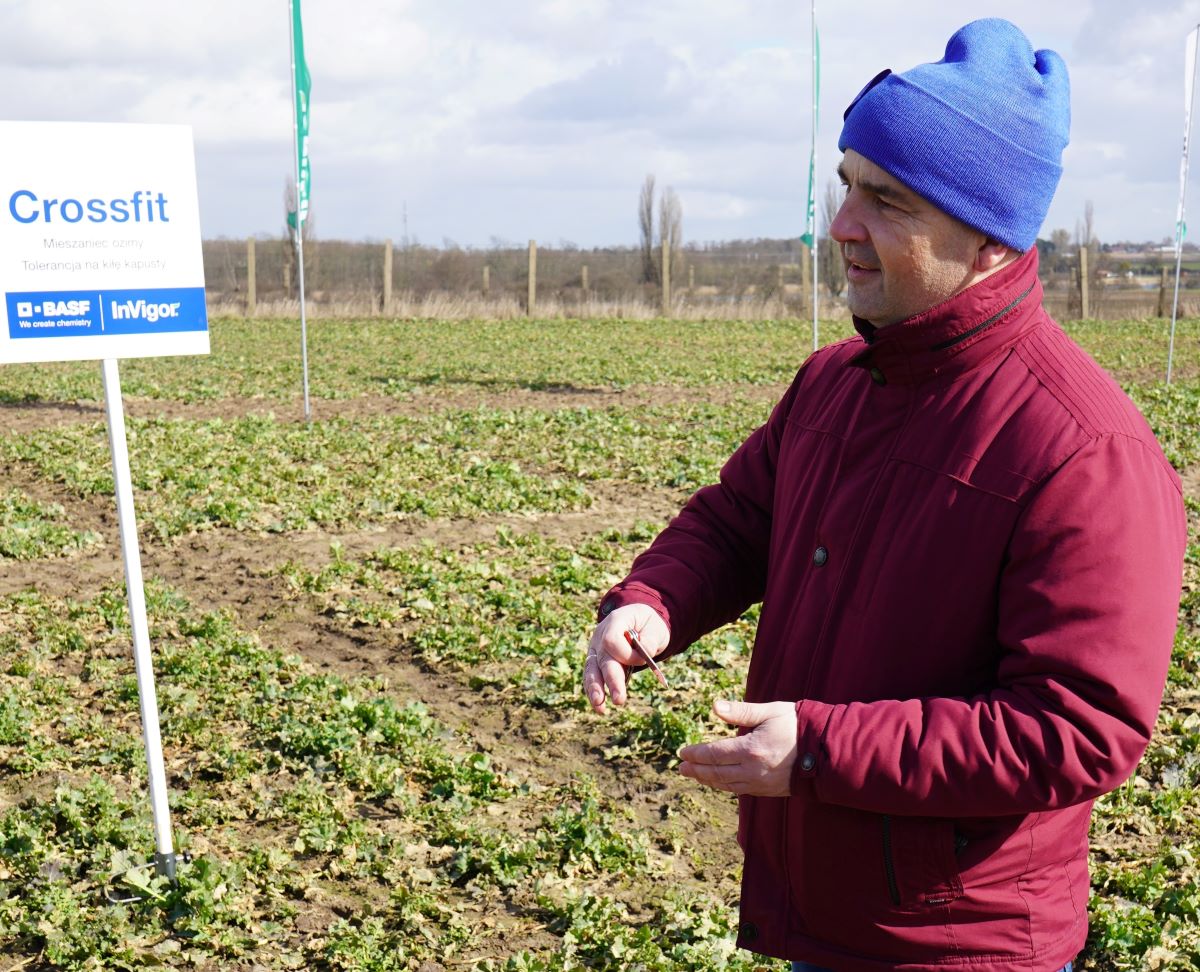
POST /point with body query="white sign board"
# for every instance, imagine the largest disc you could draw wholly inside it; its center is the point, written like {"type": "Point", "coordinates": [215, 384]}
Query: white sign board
{"type": "Point", "coordinates": [99, 242]}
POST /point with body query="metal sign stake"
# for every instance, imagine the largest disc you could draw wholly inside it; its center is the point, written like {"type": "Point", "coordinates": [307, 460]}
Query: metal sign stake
{"type": "Point", "coordinates": [165, 859]}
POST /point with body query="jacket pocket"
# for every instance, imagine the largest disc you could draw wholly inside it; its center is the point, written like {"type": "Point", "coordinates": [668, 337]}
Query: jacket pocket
{"type": "Point", "coordinates": [920, 861]}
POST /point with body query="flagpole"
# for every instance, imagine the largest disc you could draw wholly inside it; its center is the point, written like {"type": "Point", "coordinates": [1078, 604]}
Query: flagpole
{"type": "Point", "coordinates": [300, 212]}
{"type": "Point", "coordinates": [813, 169]}
{"type": "Point", "coordinates": [1188, 94]}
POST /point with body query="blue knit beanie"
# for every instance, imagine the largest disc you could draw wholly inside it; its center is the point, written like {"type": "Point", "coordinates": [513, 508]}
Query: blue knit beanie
{"type": "Point", "coordinates": [980, 133]}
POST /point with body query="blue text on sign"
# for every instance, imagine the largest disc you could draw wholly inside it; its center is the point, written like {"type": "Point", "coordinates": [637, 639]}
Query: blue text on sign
{"type": "Point", "coordinates": [25, 206]}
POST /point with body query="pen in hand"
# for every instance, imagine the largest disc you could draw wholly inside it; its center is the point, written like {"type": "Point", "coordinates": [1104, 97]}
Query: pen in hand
{"type": "Point", "coordinates": [636, 644]}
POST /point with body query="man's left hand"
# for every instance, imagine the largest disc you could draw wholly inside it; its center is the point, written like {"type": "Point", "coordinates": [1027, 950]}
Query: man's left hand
{"type": "Point", "coordinates": [758, 763]}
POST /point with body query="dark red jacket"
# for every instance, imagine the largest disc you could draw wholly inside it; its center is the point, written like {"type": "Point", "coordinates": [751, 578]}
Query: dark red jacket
{"type": "Point", "coordinates": [968, 546]}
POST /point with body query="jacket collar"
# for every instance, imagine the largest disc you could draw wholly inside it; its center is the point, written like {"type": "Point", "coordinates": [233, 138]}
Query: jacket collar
{"type": "Point", "coordinates": [957, 334]}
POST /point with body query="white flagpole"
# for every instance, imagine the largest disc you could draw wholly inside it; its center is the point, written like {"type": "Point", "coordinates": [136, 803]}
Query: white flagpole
{"type": "Point", "coordinates": [816, 224]}
{"type": "Point", "coordinates": [300, 214]}
{"type": "Point", "coordinates": [1189, 89]}
{"type": "Point", "coordinates": [164, 857]}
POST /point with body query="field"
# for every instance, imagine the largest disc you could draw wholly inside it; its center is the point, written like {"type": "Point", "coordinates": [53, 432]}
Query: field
{"type": "Point", "coordinates": [367, 637]}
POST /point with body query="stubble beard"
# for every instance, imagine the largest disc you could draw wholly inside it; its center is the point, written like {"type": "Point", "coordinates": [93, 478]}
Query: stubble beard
{"type": "Point", "coordinates": [866, 300]}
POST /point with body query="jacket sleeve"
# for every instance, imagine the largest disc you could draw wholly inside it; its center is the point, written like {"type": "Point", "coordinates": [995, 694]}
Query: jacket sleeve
{"type": "Point", "coordinates": [710, 563]}
{"type": "Point", "coordinates": [1087, 608]}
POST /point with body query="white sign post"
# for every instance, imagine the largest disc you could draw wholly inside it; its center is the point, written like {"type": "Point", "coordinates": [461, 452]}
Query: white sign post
{"type": "Point", "coordinates": [100, 259]}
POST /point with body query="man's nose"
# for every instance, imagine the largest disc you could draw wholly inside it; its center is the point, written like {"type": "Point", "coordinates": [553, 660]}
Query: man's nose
{"type": "Point", "coordinates": [846, 226]}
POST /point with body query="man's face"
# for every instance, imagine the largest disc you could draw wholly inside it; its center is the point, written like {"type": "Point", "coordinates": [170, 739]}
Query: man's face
{"type": "Point", "coordinates": [902, 254]}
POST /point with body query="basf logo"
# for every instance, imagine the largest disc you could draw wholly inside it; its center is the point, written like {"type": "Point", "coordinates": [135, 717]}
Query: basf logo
{"type": "Point", "coordinates": [46, 315]}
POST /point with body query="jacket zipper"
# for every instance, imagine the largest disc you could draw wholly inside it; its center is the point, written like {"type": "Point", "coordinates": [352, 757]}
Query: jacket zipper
{"type": "Point", "coordinates": [858, 527]}
{"type": "Point", "coordinates": [888, 864]}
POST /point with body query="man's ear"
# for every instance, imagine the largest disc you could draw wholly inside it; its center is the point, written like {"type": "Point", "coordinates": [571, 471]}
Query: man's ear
{"type": "Point", "coordinates": [992, 255]}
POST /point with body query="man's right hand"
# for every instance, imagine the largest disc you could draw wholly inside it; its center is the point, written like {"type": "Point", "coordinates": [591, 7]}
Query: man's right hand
{"type": "Point", "coordinates": [604, 672]}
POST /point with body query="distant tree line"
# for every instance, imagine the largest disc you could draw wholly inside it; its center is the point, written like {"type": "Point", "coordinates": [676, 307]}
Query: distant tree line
{"type": "Point", "coordinates": [337, 268]}
{"type": "Point", "coordinates": [756, 269]}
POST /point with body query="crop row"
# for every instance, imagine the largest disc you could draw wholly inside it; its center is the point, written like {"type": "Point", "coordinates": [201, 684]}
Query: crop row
{"type": "Point", "coordinates": [261, 473]}
{"type": "Point", "coordinates": [261, 358]}
{"type": "Point", "coordinates": [287, 784]}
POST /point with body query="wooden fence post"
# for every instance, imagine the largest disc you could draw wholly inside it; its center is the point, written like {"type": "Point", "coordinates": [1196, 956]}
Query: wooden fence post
{"type": "Point", "coordinates": [532, 299]}
{"type": "Point", "coordinates": [666, 276]}
{"type": "Point", "coordinates": [1162, 294]}
{"type": "Point", "coordinates": [1083, 282]}
{"type": "Point", "coordinates": [487, 279]}
{"type": "Point", "coordinates": [251, 296]}
{"type": "Point", "coordinates": [691, 276]}
{"type": "Point", "coordinates": [387, 278]}
{"type": "Point", "coordinates": [583, 278]}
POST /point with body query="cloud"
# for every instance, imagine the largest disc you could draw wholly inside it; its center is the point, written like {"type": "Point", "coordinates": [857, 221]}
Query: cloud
{"type": "Point", "coordinates": [541, 117]}
{"type": "Point", "coordinates": [175, 39]}
{"type": "Point", "coordinates": [1146, 42]}
{"type": "Point", "coordinates": [643, 81]}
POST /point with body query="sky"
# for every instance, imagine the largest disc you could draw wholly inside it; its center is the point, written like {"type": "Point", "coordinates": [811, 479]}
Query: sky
{"type": "Point", "coordinates": [476, 122]}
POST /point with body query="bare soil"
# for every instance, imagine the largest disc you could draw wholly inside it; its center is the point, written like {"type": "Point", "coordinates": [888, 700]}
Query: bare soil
{"type": "Point", "coordinates": [239, 572]}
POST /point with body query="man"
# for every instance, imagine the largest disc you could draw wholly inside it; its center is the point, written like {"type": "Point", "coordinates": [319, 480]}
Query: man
{"type": "Point", "coordinates": [968, 547]}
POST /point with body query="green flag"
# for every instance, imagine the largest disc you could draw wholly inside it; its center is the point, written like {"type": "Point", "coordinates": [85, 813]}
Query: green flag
{"type": "Point", "coordinates": [302, 83]}
{"type": "Point", "coordinates": [810, 221]}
